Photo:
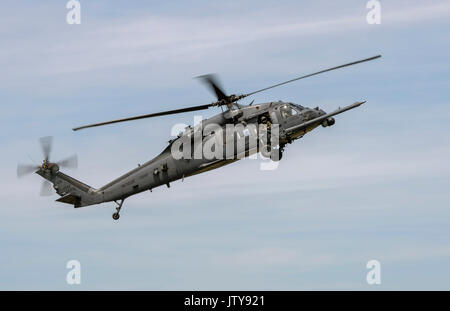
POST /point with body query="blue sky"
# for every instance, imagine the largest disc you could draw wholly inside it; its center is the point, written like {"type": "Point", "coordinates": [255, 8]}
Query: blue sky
{"type": "Point", "coordinates": [374, 186]}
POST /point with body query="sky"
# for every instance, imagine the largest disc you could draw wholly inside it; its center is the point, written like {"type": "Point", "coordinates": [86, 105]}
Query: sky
{"type": "Point", "coordinates": [372, 187]}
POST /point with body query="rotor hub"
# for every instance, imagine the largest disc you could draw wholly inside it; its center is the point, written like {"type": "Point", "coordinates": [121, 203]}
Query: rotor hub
{"type": "Point", "coordinates": [45, 165]}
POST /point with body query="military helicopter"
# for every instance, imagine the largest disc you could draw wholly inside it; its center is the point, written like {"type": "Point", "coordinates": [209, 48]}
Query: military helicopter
{"type": "Point", "coordinates": [290, 120]}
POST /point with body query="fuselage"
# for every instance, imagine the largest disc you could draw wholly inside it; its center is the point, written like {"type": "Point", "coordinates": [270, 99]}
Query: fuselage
{"type": "Point", "coordinates": [220, 140]}
{"type": "Point", "coordinates": [164, 168]}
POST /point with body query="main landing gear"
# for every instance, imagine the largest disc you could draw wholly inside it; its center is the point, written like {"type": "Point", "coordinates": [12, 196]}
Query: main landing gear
{"type": "Point", "coordinates": [116, 215]}
{"type": "Point", "coordinates": [268, 152]}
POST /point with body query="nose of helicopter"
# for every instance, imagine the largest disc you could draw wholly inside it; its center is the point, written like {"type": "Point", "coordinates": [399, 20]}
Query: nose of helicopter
{"type": "Point", "coordinates": [319, 112]}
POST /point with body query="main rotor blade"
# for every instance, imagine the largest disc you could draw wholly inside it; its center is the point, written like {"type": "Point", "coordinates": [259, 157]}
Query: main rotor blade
{"type": "Point", "coordinates": [70, 162]}
{"type": "Point", "coordinates": [46, 145]}
{"type": "Point", "coordinates": [211, 81]}
{"type": "Point", "coordinates": [24, 169]}
{"type": "Point", "coordinates": [313, 74]}
{"type": "Point", "coordinates": [46, 188]}
{"type": "Point", "coordinates": [151, 115]}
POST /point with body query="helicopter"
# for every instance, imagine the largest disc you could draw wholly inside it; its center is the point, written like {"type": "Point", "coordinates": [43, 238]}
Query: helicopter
{"type": "Point", "coordinates": [266, 128]}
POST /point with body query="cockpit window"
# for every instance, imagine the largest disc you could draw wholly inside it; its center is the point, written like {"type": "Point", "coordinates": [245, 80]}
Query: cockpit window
{"type": "Point", "coordinates": [287, 111]}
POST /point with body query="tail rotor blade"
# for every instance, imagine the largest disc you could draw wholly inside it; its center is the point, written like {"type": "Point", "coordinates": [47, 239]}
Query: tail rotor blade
{"type": "Point", "coordinates": [46, 188]}
{"type": "Point", "coordinates": [46, 145]}
{"type": "Point", "coordinates": [70, 162]}
{"type": "Point", "coordinates": [24, 169]}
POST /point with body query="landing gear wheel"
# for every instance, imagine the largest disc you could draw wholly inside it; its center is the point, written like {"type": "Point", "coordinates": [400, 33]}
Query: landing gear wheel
{"type": "Point", "coordinates": [115, 216]}
{"type": "Point", "coordinates": [266, 151]}
{"type": "Point", "coordinates": [280, 155]}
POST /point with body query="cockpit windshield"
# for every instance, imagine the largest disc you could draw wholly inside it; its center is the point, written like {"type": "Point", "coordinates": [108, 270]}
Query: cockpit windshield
{"type": "Point", "coordinates": [287, 111]}
{"type": "Point", "coordinates": [300, 107]}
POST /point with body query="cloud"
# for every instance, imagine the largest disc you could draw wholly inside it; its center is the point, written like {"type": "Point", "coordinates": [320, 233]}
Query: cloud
{"type": "Point", "coordinates": [153, 39]}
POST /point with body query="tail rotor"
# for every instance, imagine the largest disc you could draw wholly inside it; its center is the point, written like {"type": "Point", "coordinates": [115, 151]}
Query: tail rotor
{"type": "Point", "coordinates": [47, 168]}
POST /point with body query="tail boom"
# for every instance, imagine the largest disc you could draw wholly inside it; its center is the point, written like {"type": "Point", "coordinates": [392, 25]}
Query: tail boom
{"type": "Point", "coordinates": [71, 190]}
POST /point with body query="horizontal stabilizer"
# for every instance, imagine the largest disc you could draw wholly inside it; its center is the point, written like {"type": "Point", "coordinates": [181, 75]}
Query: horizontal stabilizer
{"type": "Point", "coordinates": [70, 199]}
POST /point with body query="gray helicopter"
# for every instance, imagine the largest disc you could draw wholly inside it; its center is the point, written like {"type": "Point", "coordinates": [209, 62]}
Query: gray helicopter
{"type": "Point", "coordinates": [273, 125]}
